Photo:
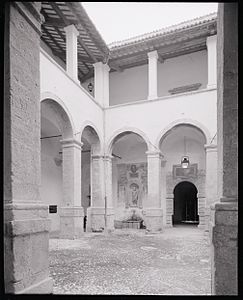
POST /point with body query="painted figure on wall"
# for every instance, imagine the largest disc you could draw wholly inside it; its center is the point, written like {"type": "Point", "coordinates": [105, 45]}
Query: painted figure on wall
{"type": "Point", "coordinates": [134, 194]}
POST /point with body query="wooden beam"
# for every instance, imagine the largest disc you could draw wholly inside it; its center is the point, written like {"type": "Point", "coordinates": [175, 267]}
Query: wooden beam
{"type": "Point", "coordinates": [84, 25]}
{"type": "Point", "coordinates": [56, 22]}
{"type": "Point", "coordinates": [62, 16]}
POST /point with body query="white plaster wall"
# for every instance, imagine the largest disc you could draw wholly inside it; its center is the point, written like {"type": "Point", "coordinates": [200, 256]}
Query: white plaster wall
{"type": "Point", "coordinates": [132, 84]}
{"type": "Point", "coordinates": [152, 117]}
{"type": "Point", "coordinates": [182, 70]}
{"type": "Point", "coordinates": [51, 179]}
{"type": "Point", "coordinates": [129, 85]}
{"type": "Point", "coordinates": [55, 83]}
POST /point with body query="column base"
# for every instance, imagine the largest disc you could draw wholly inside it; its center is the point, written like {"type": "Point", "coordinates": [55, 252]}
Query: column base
{"type": "Point", "coordinates": [224, 248]}
{"type": "Point", "coordinates": [153, 219]}
{"type": "Point", "coordinates": [71, 222]}
{"type": "Point", "coordinates": [96, 219]}
{"type": "Point", "coordinates": [26, 249]}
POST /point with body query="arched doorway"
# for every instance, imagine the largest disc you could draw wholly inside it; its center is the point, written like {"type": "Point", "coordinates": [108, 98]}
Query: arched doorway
{"type": "Point", "coordinates": [185, 204]}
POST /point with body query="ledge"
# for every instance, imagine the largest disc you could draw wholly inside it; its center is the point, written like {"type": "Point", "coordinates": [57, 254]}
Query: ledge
{"type": "Point", "coordinates": [205, 90]}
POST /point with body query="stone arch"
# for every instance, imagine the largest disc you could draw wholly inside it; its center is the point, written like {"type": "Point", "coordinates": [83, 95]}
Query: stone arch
{"type": "Point", "coordinates": [90, 134]}
{"type": "Point", "coordinates": [90, 124]}
{"type": "Point", "coordinates": [179, 122]}
{"type": "Point", "coordinates": [51, 103]}
{"type": "Point", "coordinates": [120, 132]}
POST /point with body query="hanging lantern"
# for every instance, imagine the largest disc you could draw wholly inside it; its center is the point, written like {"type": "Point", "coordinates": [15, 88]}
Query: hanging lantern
{"type": "Point", "coordinates": [90, 87]}
{"type": "Point", "coordinates": [185, 162]}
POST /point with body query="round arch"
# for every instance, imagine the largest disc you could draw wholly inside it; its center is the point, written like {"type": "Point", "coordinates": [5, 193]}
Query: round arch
{"type": "Point", "coordinates": [179, 122]}
{"type": "Point", "coordinates": [55, 99]}
{"type": "Point", "coordinates": [125, 130]}
{"type": "Point", "coordinates": [94, 127]}
{"type": "Point", "coordinates": [91, 136]}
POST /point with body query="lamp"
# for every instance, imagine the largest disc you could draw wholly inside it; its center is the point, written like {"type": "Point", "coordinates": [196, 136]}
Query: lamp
{"type": "Point", "coordinates": [90, 87]}
{"type": "Point", "coordinates": [185, 159]}
{"type": "Point", "coordinates": [185, 162]}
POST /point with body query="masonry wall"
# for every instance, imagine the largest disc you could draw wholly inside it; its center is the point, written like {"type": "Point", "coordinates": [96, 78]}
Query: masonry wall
{"type": "Point", "coordinates": [132, 84]}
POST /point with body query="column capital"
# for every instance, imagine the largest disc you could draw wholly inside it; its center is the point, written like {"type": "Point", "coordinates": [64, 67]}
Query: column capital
{"type": "Point", "coordinates": [71, 29]}
{"type": "Point", "coordinates": [97, 156]}
{"type": "Point", "coordinates": [153, 54]}
{"type": "Point", "coordinates": [210, 147]}
{"type": "Point", "coordinates": [70, 143]}
{"type": "Point", "coordinates": [100, 65]}
{"type": "Point", "coordinates": [211, 39]}
{"type": "Point", "coordinates": [108, 157]}
{"type": "Point", "coordinates": [156, 153]}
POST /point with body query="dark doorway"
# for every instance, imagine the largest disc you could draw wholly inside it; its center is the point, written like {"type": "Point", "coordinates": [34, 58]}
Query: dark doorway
{"type": "Point", "coordinates": [185, 204]}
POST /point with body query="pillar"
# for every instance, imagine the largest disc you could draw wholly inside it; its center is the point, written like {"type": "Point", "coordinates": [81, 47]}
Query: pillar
{"type": "Point", "coordinates": [101, 83]}
{"type": "Point", "coordinates": [152, 75]}
{"type": "Point", "coordinates": [109, 206]}
{"type": "Point", "coordinates": [153, 210]}
{"type": "Point", "coordinates": [71, 212]}
{"type": "Point", "coordinates": [224, 222]}
{"type": "Point", "coordinates": [96, 212]}
{"type": "Point", "coordinates": [72, 51]}
{"type": "Point", "coordinates": [26, 223]}
{"type": "Point", "coordinates": [211, 180]}
{"type": "Point", "coordinates": [212, 60]}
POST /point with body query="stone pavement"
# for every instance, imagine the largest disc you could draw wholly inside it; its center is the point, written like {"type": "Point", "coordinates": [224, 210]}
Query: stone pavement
{"type": "Point", "coordinates": [175, 262]}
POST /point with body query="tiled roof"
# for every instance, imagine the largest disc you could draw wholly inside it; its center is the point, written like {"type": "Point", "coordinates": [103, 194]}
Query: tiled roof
{"type": "Point", "coordinates": [163, 31]}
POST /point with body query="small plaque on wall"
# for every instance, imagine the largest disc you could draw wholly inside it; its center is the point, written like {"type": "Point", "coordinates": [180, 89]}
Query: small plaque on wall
{"type": "Point", "coordinates": [179, 172]}
{"type": "Point", "coordinates": [52, 209]}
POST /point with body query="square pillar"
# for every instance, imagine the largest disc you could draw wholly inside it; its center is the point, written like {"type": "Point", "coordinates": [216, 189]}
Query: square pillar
{"type": "Point", "coordinates": [152, 75]}
{"type": "Point", "coordinates": [96, 212]}
{"type": "Point", "coordinates": [72, 51]}
{"type": "Point", "coordinates": [71, 212]}
{"type": "Point", "coordinates": [224, 221]}
{"type": "Point", "coordinates": [211, 180]}
{"type": "Point", "coordinates": [212, 61]}
{"type": "Point", "coordinates": [101, 83]}
{"type": "Point", "coordinates": [153, 209]}
{"type": "Point", "coordinates": [26, 223]}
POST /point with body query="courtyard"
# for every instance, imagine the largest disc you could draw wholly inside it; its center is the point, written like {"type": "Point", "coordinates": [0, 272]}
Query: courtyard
{"type": "Point", "coordinates": [132, 262]}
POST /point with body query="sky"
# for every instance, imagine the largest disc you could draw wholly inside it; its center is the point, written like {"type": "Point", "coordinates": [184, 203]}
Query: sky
{"type": "Point", "coordinates": [117, 21]}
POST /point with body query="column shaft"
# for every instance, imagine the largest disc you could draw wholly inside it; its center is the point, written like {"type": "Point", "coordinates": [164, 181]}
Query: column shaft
{"type": "Point", "coordinates": [153, 205]}
{"type": "Point", "coordinates": [212, 60]}
{"type": "Point", "coordinates": [101, 82]}
{"type": "Point", "coordinates": [152, 75]}
{"type": "Point", "coordinates": [72, 51]}
{"type": "Point", "coordinates": [71, 212]}
{"type": "Point", "coordinates": [108, 191]}
{"type": "Point", "coordinates": [96, 213]}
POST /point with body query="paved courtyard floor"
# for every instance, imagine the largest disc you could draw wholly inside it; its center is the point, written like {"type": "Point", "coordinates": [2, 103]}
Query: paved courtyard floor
{"type": "Point", "coordinates": [133, 262]}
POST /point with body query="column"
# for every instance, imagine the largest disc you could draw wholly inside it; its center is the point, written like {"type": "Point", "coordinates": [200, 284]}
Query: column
{"type": "Point", "coordinates": [71, 212]}
{"type": "Point", "coordinates": [153, 209]}
{"type": "Point", "coordinates": [72, 51]}
{"type": "Point", "coordinates": [101, 82]}
{"type": "Point", "coordinates": [224, 231]}
{"type": "Point", "coordinates": [212, 60]}
{"type": "Point", "coordinates": [152, 75]}
{"type": "Point", "coordinates": [26, 223]}
{"type": "Point", "coordinates": [109, 207]}
{"type": "Point", "coordinates": [96, 212]}
{"type": "Point", "coordinates": [211, 180]}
